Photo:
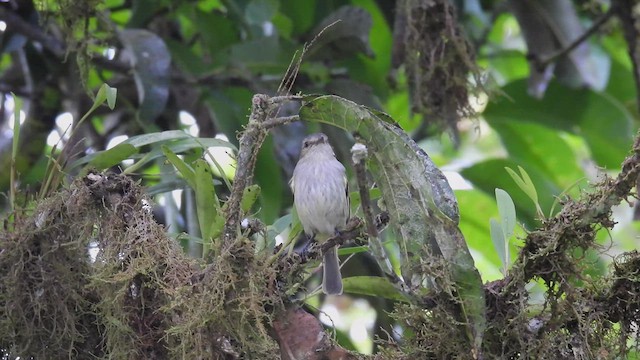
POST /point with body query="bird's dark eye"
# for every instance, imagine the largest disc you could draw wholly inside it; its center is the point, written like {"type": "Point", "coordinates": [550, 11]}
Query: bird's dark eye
{"type": "Point", "coordinates": [305, 145]}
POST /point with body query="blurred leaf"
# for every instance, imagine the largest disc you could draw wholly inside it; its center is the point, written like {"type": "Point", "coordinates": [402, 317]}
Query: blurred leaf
{"type": "Point", "coordinates": [603, 122]}
{"type": "Point", "coordinates": [150, 60]}
{"type": "Point", "coordinates": [218, 31]}
{"type": "Point", "coordinates": [112, 95]}
{"type": "Point", "coordinates": [283, 24]}
{"type": "Point", "coordinates": [115, 155]}
{"type": "Point", "coordinates": [228, 113]}
{"type": "Point", "coordinates": [268, 58]}
{"type": "Point", "coordinates": [533, 144]}
{"type": "Point", "coordinates": [373, 71]}
{"type": "Point", "coordinates": [622, 86]}
{"type": "Point", "coordinates": [343, 33]}
{"type": "Point", "coordinates": [302, 11]}
{"type": "Point", "coordinates": [142, 11]}
{"type": "Point", "coordinates": [259, 12]}
{"type": "Point", "coordinates": [179, 147]}
{"type": "Point", "coordinates": [506, 66]}
{"type": "Point", "coordinates": [187, 60]}
{"type": "Point", "coordinates": [372, 286]}
{"type": "Point", "coordinates": [343, 251]}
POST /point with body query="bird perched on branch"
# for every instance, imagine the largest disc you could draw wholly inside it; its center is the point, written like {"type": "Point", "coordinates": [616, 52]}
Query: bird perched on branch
{"type": "Point", "coordinates": [321, 197]}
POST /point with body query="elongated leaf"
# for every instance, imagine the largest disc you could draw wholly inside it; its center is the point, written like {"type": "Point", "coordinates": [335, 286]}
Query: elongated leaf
{"type": "Point", "coordinates": [207, 203]}
{"type": "Point", "coordinates": [147, 139]}
{"type": "Point", "coordinates": [175, 140]}
{"type": "Point", "coordinates": [185, 170]}
{"type": "Point", "coordinates": [420, 202]}
{"type": "Point", "coordinates": [372, 286]}
{"type": "Point", "coordinates": [178, 147]}
{"type": "Point", "coordinates": [115, 155]}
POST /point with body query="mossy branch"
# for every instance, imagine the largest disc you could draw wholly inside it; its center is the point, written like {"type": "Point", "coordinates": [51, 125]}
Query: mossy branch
{"type": "Point", "coordinates": [263, 109]}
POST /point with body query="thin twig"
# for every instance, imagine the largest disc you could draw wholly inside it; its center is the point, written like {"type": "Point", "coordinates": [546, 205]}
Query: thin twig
{"type": "Point", "coordinates": [542, 63]}
{"type": "Point", "coordinates": [358, 155]}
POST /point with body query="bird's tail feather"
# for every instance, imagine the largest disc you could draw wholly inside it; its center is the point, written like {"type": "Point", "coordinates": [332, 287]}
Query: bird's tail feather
{"type": "Point", "coordinates": [332, 280]}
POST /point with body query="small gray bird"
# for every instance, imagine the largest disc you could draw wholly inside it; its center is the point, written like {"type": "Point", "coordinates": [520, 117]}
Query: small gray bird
{"type": "Point", "coordinates": [321, 197]}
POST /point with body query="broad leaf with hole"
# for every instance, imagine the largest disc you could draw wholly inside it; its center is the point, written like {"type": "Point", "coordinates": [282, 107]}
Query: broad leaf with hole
{"type": "Point", "coordinates": [421, 205]}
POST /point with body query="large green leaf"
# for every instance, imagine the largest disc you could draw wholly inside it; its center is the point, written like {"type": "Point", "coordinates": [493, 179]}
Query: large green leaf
{"type": "Point", "coordinates": [268, 176]}
{"type": "Point", "coordinates": [217, 31]}
{"type": "Point", "coordinates": [603, 122]}
{"type": "Point", "coordinates": [421, 205]}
